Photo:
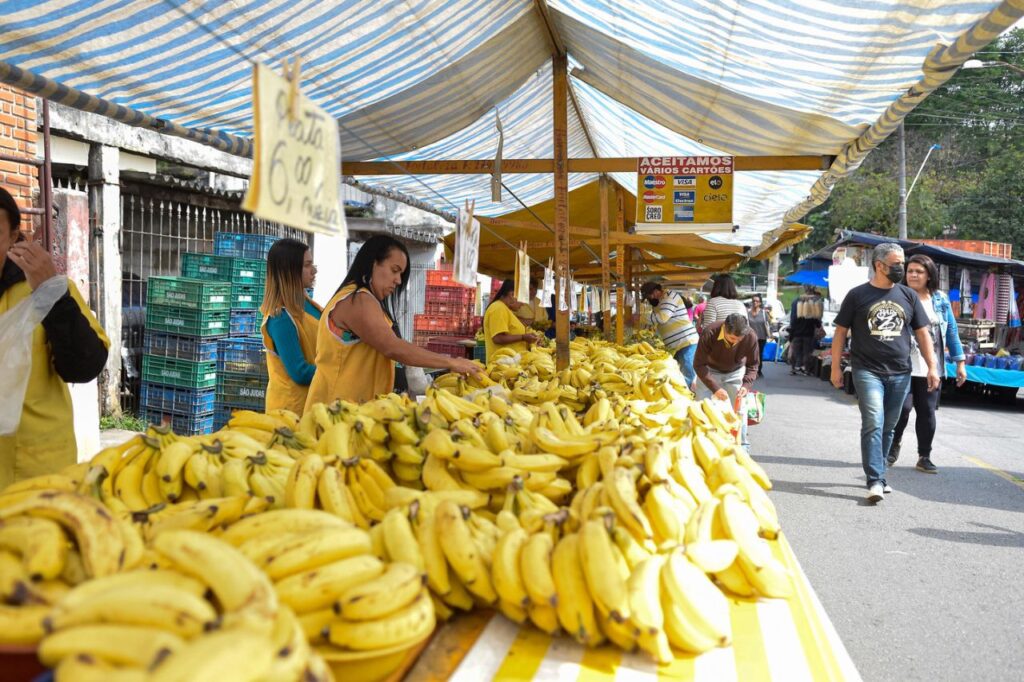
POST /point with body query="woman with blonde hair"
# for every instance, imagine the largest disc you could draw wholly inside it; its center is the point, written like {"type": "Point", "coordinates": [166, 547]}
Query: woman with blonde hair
{"type": "Point", "coordinates": [290, 320]}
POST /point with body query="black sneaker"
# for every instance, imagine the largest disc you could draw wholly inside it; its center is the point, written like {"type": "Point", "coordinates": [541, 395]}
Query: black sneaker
{"type": "Point", "coordinates": [894, 454]}
{"type": "Point", "coordinates": [925, 464]}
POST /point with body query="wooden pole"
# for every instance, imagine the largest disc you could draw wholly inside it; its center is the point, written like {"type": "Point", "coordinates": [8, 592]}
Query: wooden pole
{"type": "Point", "coordinates": [620, 270]}
{"type": "Point", "coordinates": [606, 275]}
{"type": "Point", "coordinates": [560, 128]}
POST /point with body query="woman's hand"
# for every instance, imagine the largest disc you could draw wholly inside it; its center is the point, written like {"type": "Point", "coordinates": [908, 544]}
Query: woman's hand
{"type": "Point", "coordinates": [961, 373]}
{"type": "Point", "coordinates": [34, 261]}
{"type": "Point", "coordinates": [464, 366]}
{"type": "Point", "coordinates": [530, 338]}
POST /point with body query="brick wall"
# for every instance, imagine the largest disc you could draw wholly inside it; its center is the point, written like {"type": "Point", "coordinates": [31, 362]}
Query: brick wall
{"type": "Point", "coordinates": [18, 138]}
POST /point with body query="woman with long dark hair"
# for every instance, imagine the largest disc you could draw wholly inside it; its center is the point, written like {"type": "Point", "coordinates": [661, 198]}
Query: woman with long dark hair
{"type": "Point", "coordinates": [724, 301]}
{"type": "Point", "coordinates": [358, 340]}
{"type": "Point", "coordinates": [290, 320]}
{"type": "Point", "coordinates": [923, 277]}
{"type": "Point", "coordinates": [501, 326]}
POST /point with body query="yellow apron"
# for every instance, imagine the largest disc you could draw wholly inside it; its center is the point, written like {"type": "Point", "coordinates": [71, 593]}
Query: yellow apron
{"type": "Point", "coordinates": [45, 440]}
{"type": "Point", "coordinates": [282, 392]}
{"type": "Point", "coordinates": [348, 369]}
{"type": "Point", "coordinates": [498, 319]}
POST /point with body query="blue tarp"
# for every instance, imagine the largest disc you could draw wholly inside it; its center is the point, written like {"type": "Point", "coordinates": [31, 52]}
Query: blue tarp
{"type": "Point", "coordinates": [818, 278]}
{"type": "Point", "coordinates": [1010, 378]}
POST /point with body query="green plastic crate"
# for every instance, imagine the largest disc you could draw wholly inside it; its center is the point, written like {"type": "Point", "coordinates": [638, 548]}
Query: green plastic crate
{"type": "Point", "coordinates": [246, 297]}
{"type": "Point", "coordinates": [248, 390]}
{"type": "Point", "coordinates": [185, 322]}
{"type": "Point", "coordinates": [224, 268]}
{"type": "Point", "coordinates": [179, 373]}
{"type": "Point", "coordinates": [184, 292]}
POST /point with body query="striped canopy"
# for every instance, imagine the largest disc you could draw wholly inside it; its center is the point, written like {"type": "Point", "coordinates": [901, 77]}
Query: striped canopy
{"type": "Point", "coordinates": [425, 79]}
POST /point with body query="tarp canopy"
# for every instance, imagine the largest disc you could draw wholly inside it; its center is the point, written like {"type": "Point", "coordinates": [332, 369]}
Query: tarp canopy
{"type": "Point", "coordinates": [818, 278]}
{"type": "Point", "coordinates": [423, 79]}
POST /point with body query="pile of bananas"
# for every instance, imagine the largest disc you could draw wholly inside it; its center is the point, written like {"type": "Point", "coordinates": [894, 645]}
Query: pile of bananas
{"type": "Point", "coordinates": [207, 613]}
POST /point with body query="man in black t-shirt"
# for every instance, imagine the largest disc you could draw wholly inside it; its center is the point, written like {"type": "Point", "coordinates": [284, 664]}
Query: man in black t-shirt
{"type": "Point", "coordinates": [881, 315]}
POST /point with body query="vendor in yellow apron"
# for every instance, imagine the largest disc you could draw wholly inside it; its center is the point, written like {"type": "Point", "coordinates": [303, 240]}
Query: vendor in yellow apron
{"type": "Point", "coordinates": [289, 326]}
{"type": "Point", "coordinates": [68, 346]}
{"type": "Point", "coordinates": [502, 329]}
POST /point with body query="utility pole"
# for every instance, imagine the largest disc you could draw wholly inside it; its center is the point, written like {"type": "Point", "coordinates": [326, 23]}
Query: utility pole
{"type": "Point", "coordinates": [902, 217]}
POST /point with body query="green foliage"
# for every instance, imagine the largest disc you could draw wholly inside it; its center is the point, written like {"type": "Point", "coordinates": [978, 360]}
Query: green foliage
{"type": "Point", "coordinates": [124, 422]}
{"type": "Point", "coordinates": [972, 188]}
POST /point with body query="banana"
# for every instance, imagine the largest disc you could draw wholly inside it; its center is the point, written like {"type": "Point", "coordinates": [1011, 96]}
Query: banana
{"type": "Point", "coordinates": [408, 454]}
{"type": "Point", "coordinates": [496, 478]}
{"type": "Point", "coordinates": [290, 647]}
{"type": "Point", "coordinates": [235, 477]}
{"type": "Point", "coordinates": [622, 635]}
{"type": "Point", "coordinates": [60, 481]}
{"type": "Point", "coordinates": [461, 551]}
{"type": "Point", "coordinates": [235, 581]}
{"type": "Point", "coordinates": [279, 521]}
{"type": "Point", "coordinates": [335, 497]}
{"type": "Point", "coordinates": [204, 515]}
{"type": "Point", "coordinates": [731, 471]}
{"type": "Point", "coordinates": [158, 578]}
{"type": "Point", "coordinates": [314, 624]}
{"type": "Point", "coordinates": [597, 555]}
{"type": "Point", "coordinates": [22, 625]}
{"type": "Point", "coordinates": [74, 572]}
{"type": "Point", "coordinates": [300, 490]}
{"type": "Point", "coordinates": [468, 457]}
{"type": "Point", "coordinates": [368, 497]}
{"type": "Point", "coordinates": [96, 533]}
{"type": "Point", "coordinates": [170, 465]}
{"type": "Point", "coordinates": [375, 479]}
{"type": "Point", "coordinates": [540, 462]}
{"type": "Point", "coordinates": [575, 606]}
{"type": "Point", "coordinates": [41, 543]}
{"type": "Point", "coordinates": [402, 433]}
{"type": "Point", "coordinates": [506, 571]}
{"type": "Point", "coordinates": [400, 540]}
{"type": "Point", "coordinates": [771, 580]}
{"type": "Point", "coordinates": [690, 475]}
{"type": "Point", "coordinates": [377, 543]}
{"type": "Point", "coordinates": [735, 580]}
{"type": "Point", "coordinates": [700, 524]}
{"type": "Point", "coordinates": [535, 568]}
{"type": "Point", "coordinates": [406, 626]}
{"type": "Point", "coordinates": [545, 617]}
{"type": "Point", "coordinates": [666, 517]}
{"type": "Point", "coordinates": [297, 553]}
{"type": "Point", "coordinates": [395, 589]}
{"type": "Point", "coordinates": [434, 562]}
{"type": "Point", "coordinates": [85, 668]}
{"type": "Point", "coordinates": [742, 526]}
{"type": "Point", "coordinates": [713, 556]}
{"type": "Point", "coordinates": [568, 445]}
{"type": "Point", "coordinates": [622, 495]}
{"type": "Point", "coordinates": [706, 451]}
{"type": "Point", "coordinates": [237, 654]}
{"type": "Point", "coordinates": [644, 586]}
{"type": "Point", "coordinates": [127, 484]}
{"type": "Point", "coordinates": [457, 596]}
{"type": "Point", "coordinates": [129, 645]}
{"type": "Point", "coordinates": [699, 613]}
{"type": "Point", "coordinates": [753, 468]}
{"type": "Point", "coordinates": [320, 587]}
{"type": "Point", "coordinates": [158, 606]}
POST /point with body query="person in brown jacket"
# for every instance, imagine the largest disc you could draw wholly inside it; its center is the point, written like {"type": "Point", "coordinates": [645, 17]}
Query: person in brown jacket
{"type": "Point", "coordinates": [726, 363]}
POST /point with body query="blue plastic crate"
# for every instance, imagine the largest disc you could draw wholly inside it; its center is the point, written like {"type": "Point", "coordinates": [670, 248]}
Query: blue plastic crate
{"type": "Point", "coordinates": [188, 348]}
{"type": "Point", "coordinates": [242, 356]}
{"type": "Point", "coordinates": [183, 425]}
{"type": "Point", "coordinates": [185, 401]}
{"type": "Point", "coordinates": [228, 244]}
{"type": "Point", "coordinates": [245, 323]}
{"type": "Point", "coordinates": [257, 245]}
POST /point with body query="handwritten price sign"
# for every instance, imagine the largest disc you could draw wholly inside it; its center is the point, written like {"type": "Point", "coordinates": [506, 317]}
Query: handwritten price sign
{"type": "Point", "coordinates": [296, 159]}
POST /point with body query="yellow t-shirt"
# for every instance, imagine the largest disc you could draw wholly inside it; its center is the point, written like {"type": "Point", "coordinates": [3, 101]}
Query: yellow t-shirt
{"type": "Point", "coordinates": [535, 312]}
{"type": "Point", "coordinates": [499, 319]}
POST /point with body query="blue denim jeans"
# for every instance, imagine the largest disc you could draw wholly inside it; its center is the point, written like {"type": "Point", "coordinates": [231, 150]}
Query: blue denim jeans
{"type": "Point", "coordinates": [685, 359]}
{"type": "Point", "coordinates": [731, 382]}
{"type": "Point", "coordinates": [880, 397]}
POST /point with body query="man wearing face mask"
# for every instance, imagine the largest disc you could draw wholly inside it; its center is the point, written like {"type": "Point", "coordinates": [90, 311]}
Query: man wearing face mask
{"type": "Point", "coordinates": [672, 321]}
{"type": "Point", "coordinates": [881, 315]}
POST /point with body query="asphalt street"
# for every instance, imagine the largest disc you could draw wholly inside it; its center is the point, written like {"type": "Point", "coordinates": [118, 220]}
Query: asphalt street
{"type": "Point", "coordinates": [927, 585]}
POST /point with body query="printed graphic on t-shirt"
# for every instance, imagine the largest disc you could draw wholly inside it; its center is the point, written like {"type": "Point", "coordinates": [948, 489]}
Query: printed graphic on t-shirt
{"type": "Point", "coordinates": [886, 320]}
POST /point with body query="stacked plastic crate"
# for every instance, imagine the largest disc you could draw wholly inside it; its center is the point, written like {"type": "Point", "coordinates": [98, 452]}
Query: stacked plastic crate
{"type": "Point", "coordinates": [241, 377]}
{"type": "Point", "coordinates": [447, 317]}
{"type": "Point", "coordinates": [184, 319]}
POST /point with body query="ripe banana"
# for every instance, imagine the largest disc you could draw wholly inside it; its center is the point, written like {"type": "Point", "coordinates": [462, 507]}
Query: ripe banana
{"type": "Point", "coordinates": [40, 542]}
{"type": "Point", "coordinates": [535, 567]}
{"type": "Point", "coordinates": [129, 645]}
{"type": "Point", "coordinates": [429, 543]}
{"type": "Point", "coordinates": [622, 495]}
{"type": "Point", "coordinates": [598, 555]}
{"type": "Point", "coordinates": [22, 625]}
{"type": "Point", "coordinates": [298, 553]}
{"type": "Point", "coordinates": [234, 653]}
{"type": "Point", "coordinates": [461, 551]}
{"type": "Point", "coordinates": [320, 587]}
{"type": "Point", "coordinates": [575, 606]}
{"type": "Point", "coordinates": [278, 521]}
{"type": "Point", "coordinates": [395, 589]}
{"type": "Point", "coordinates": [408, 625]}
{"type": "Point", "coordinates": [300, 490]}
{"type": "Point", "coordinates": [335, 497]}
{"type": "Point", "coordinates": [505, 568]}
{"type": "Point", "coordinates": [400, 540]}
{"type": "Point", "coordinates": [696, 610]}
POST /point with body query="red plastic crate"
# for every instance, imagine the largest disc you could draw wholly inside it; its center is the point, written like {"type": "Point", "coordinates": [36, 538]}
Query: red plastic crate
{"type": "Point", "coordinates": [457, 295]}
{"type": "Point", "coordinates": [437, 325]}
{"type": "Point", "coordinates": [447, 309]}
{"type": "Point", "coordinates": [421, 338]}
{"type": "Point", "coordinates": [450, 346]}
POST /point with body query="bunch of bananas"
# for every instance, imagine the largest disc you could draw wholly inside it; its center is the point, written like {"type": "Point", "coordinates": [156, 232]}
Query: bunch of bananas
{"type": "Point", "coordinates": [208, 614]}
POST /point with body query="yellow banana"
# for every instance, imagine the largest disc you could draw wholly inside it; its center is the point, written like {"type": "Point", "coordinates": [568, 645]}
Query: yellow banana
{"type": "Point", "coordinates": [300, 490]}
{"type": "Point", "coordinates": [698, 610]}
{"type": "Point", "coordinates": [535, 568]}
{"type": "Point", "coordinates": [40, 542]}
{"type": "Point", "coordinates": [505, 568]}
{"type": "Point", "coordinates": [408, 625]}
{"type": "Point", "coordinates": [461, 551]}
{"type": "Point", "coordinates": [575, 606]}
{"type": "Point", "coordinates": [128, 645]}
{"type": "Point", "coordinates": [400, 539]}
{"type": "Point", "coordinates": [230, 653]}
{"type": "Point", "coordinates": [597, 555]}
{"type": "Point", "coordinates": [320, 587]}
{"type": "Point", "coordinates": [22, 625]}
{"type": "Point", "coordinates": [393, 590]}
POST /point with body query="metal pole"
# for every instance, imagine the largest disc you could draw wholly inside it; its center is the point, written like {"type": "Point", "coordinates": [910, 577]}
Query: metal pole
{"type": "Point", "coordinates": [47, 180]}
{"type": "Point", "coordinates": [902, 216]}
{"type": "Point", "coordinates": [921, 169]}
{"type": "Point", "coordinates": [606, 275]}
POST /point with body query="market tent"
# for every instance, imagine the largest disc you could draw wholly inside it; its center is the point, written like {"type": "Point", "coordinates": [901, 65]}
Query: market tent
{"type": "Point", "coordinates": [425, 80]}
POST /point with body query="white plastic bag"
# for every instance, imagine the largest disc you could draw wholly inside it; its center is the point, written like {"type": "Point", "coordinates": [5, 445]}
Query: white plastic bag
{"type": "Point", "coordinates": [16, 328]}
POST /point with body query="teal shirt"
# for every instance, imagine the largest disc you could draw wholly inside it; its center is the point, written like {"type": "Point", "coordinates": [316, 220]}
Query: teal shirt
{"type": "Point", "coordinates": [285, 336]}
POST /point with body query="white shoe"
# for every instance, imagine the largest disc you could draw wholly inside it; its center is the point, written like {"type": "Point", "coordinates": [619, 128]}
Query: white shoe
{"type": "Point", "coordinates": [887, 489]}
{"type": "Point", "coordinates": [875, 492]}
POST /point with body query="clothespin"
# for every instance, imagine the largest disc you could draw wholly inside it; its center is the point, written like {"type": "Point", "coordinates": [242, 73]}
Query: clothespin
{"type": "Point", "coordinates": [496, 173]}
{"type": "Point", "coordinates": [292, 74]}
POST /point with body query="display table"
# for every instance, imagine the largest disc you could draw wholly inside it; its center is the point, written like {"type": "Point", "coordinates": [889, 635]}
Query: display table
{"type": "Point", "coordinates": [773, 639]}
{"type": "Point", "coordinates": [1006, 378]}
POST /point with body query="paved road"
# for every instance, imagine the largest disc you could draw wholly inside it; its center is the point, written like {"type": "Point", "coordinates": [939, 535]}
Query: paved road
{"type": "Point", "coordinates": [928, 584]}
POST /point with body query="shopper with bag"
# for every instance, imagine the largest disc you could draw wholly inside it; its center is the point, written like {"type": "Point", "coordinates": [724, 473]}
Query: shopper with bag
{"type": "Point", "coordinates": [49, 339]}
{"type": "Point", "coordinates": [923, 278]}
{"type": "Point", "coordinates": [726, 363]}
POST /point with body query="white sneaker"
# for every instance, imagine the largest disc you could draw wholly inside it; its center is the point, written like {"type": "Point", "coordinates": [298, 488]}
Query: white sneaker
{"type": "Point", "coordinates": [887, 489]}
{"type": "Point", "coordinates": [875, 492]}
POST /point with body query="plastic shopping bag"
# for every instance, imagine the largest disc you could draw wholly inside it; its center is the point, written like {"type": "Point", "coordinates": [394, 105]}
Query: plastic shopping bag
{"type": "Point", "coordinates": [754, 406]}
{"type": "Point", "coordinates": [16, 328]}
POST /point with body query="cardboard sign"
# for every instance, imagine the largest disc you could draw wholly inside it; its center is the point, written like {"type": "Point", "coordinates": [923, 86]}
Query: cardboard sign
{"type": "Point", "coordinates": [467, 247]}
{"type": "Point", "coordinates": [681, 191]}
{"type": "Point", "coordinates": [296, 166]}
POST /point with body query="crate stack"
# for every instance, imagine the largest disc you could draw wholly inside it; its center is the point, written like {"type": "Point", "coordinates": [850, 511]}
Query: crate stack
{"type": "Point", "coordinates": [447, 317]}
{"type": "Point", "coordinates": [241, 377]}
{"type": "Point", "coordinates": [185, 317]}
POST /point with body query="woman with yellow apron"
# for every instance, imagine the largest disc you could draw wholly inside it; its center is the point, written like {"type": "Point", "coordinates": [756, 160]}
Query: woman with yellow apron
{"type": "Point", "coordinates": [532, 313]}
{"type": "Point", "coordinates": [358, 341]}
{"type": "Point", "coordinates": [289, 327]}
{"type": "Point", "coordinates": [501, 326]}
{"type": "Point", "coordinates": [68, 346]}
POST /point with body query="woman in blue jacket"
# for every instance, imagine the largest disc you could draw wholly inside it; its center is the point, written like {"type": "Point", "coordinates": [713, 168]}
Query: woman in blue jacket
{"type": "Point", "coordinates": [923, 278]}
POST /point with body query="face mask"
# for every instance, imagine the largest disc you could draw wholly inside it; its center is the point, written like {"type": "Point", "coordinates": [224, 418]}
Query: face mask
{"type": "Point", "coordinates": [653, 302]}
{"type": "Point", "coordinates": [895, 273]}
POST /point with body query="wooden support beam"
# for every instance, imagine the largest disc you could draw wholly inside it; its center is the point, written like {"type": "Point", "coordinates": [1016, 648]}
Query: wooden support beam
{"type": "Point", "coordinates": [560, 131]}
{"type": "Point", "coordinates": [626, 164]}
{"type": "Point", "coordinates": [590, 234]}
{"type": "Point", "coordinates": [606, 273]}
{"type": "Point", "coordinates": [620, 269]}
